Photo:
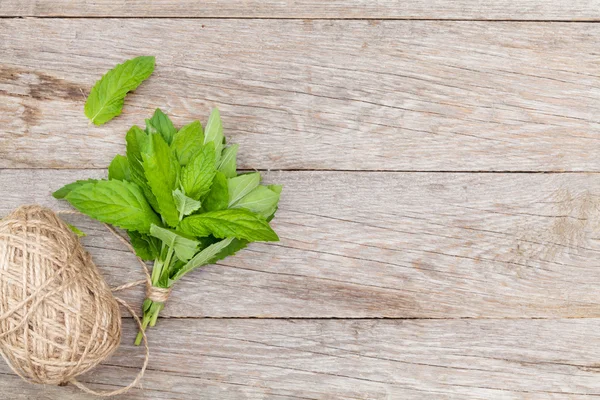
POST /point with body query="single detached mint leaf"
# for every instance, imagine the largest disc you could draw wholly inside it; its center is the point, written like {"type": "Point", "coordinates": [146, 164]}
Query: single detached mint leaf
{"type": "Point", "coordinates": [162, 124]}
{"type": "Point", "coordinates": [188, 141]}
{"type": "Point", "coordinates": [119, 169]}
{"type": "Point", "coordinates": [76, 230]}
{"type": "Point", "coordinates": [162, 170]}
{"type": "Point", "coordinates": [185, 205]}
{"type": "Point", "coordinates": [241, 185]}
{"type": "Point", "coordinates": [184, 248]}
{"type": "Point", "coordinates": [218, 196]}
{"type": "Point", "coordinates": [262, 201]}
{"type": "Point", "coordinates": [238, 223]}
{"type": "Point", "coordinates": [106, 97]}
{"type": "Point", "coordinates": [146, 247]}
{"type": "Point", "coordinates": [214, 133]}
{"type": "Point", "coordinates": [197, 176]}
{"type": "Point", "coordinates": [202, 258]}
{"type": "Point", "coordinates": [118, 203]}
{"type": "Point", "coordinates": [65, 190]}
{"type": "Point", "coordinates": [228, 163]}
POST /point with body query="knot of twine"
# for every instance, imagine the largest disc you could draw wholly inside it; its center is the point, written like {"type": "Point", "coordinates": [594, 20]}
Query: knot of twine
{"type": "Point", "coordinates": [156, 294]}
{"type": "Point", "coordinates": [58, 317]}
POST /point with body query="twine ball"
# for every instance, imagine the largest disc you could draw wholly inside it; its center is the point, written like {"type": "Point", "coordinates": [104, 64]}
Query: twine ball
{"type": "Point", "coordinates": [58, 317]}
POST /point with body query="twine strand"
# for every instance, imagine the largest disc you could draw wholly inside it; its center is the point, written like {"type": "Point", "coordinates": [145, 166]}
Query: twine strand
{"type": "Point", "coordinates": [148, 282]}
{"type": "Point", "coordinates": [140, 374]}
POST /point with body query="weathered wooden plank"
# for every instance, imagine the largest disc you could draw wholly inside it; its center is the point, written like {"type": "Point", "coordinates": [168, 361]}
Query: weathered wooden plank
{"type": "Point", "coordinates": [381, 9]}
{"type": "Point", "coordinates": [361, 359]}
{"type": "Point", "coordinates": [418, 245]}
{"type": "Point", "coordinates": [352, 95]}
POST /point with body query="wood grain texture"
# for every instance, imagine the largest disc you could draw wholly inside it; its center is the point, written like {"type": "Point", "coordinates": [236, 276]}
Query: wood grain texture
{"type": "Point", "coordinates": [381, 9]}
{"type": "Point", "coordinates": [400, 245]}
{"type": "Point", "coordinates": [343, 95]}
{"type": "Point", "coordinates": [336, 359]}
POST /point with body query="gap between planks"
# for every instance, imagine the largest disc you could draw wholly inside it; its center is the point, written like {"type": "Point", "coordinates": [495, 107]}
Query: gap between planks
{"type": "Point", "coordinates": [357, 171]}
{"type": "Point", "coordinates": [377, 18]}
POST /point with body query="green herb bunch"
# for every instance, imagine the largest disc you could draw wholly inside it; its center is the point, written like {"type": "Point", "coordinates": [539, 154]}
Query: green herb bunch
{"type": "Point", "coordinates": [177, 194]}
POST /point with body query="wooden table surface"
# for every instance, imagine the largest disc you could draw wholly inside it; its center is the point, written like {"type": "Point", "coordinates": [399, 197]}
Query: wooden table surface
{"type": "Point", "coordinates": [440, 219]}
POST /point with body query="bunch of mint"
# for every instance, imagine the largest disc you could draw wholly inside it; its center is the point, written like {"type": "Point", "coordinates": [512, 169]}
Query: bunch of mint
{"type": "Point", "coordinates": [177, 193]}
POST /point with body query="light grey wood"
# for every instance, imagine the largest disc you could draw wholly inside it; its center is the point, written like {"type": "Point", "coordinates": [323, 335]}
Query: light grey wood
{"type": "Point", "coordinates": [382, 9]}
{"type": "Point", "coordinates": [315, 94]}
{"type": "Point", "coordinates": [362, 359]}
{"type": "Point", "coordinates": [417, 245]}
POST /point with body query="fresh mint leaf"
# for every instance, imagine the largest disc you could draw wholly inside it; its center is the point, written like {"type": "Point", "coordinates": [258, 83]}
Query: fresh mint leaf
{"type": "Point", "coordinates": [202, 258]}
{"type": "Point", "coordinates": [137, 141]}
{"type": "Point", "coordinates": [65, 190]}
{"type": "Point", "coordinates": [119, 169]}
{"type": "Point", "coordinates": [197, 176]}
{"type": "Point", "coordinates": [162, 170]}
{"type": "Point", "coordinates": [114, 202]}
{"type": "Point", "coordinates": [241, 185]}
{"type": "Point", "coordinates": [228, 163]}
{"type": "Point", "coordinates": [146, 247]}
{"type": "Point", "coordinates": [276, 188]}
{"type": "Point", "coordinates": [214, 133]}
{"type": "Point", "coordinates": [184, 248]}
{"type": "Point", "coordinates": [261, 200]}
{"type": "Point", "coordinates": [185, 205]}
{"type": "Point", "coordinates": [188, 141]}
{"type": "Point", "coordinates": [237, 223]}
{"type": "Point", "coordinates": [218, 196]}
{"type": "Point", "coordinates": [76, 230]}
{"type": "Point", "coordinates": [229, 250]}
{"type": "Point", "coordinates": [106, 97]}
{"type": "Point", "coordinates": [162, 124]}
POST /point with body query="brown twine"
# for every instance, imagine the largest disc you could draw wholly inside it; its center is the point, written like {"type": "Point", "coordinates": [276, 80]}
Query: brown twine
{"type": "Point", "coordinates": [58, 317]}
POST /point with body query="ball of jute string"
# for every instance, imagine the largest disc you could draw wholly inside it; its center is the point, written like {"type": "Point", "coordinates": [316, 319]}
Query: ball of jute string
{"type": "Point", "coordinates": [58, 317]}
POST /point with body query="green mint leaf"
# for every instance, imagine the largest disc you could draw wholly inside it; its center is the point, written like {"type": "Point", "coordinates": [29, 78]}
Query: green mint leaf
{"type": "Point", "coordinates": [137, 140]}
{"type": "Point", "coordinates": [202, 258]}
{"type": "Point", "coordinates": [229, 250]}
{"type": "Point", "coordinates": [146, 247]}
{"type": "Point", "coordinates": [184, 204]}
{"type": "Point", "coordinates": [65, 190]}
{"type": "Point", "coordinates": [262, 201]}
{"type": "Point", "coordinates": [237, 223]}
{"type": "Point", "coordinates": [228, 163]}
{"type": "Point", "coordinates": [106, 97]}
{"type": "Point", "coordinates": [276, 188]}
{"type": "Point", "coordinates": [188, 141]}
{"type": "Point", "coordinates": [218, 196]}
{"type": "Point", "coordinates": [119, 169]}
{"type": "Point", "coordinates": [76, 230]}
{"type": "Point", "coordinates": [214, 133]}
{"type": "Point", "coordinates": [184, 248]}
{"type": "Point", "coordinates": [162, 170]}
{"type": "Point", "coordinates": [119, 203]}
{"type": "Point", "coordinates": [242, 185]}
{"type": "Point", "coordinates": [161, 123]}
{"type": "Point", "coordinates": [197, 176]}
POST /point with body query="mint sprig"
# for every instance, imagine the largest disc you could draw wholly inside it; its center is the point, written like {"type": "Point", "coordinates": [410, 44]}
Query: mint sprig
{"type": "Point", "coordinates": [178, 195]}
